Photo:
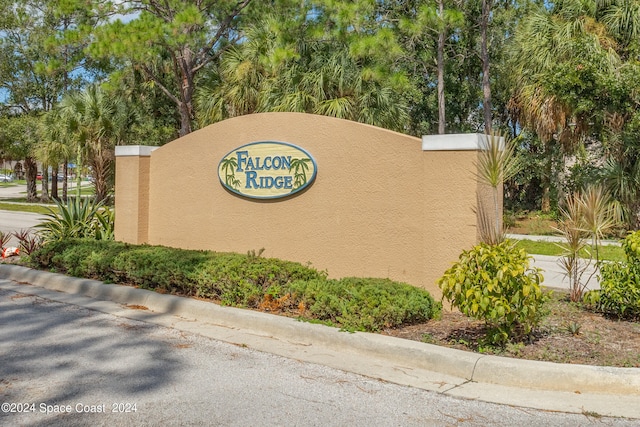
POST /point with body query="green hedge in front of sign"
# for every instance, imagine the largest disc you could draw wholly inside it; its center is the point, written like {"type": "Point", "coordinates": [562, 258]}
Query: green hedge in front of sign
{"type": "Point", "coordinates": [251, 281]}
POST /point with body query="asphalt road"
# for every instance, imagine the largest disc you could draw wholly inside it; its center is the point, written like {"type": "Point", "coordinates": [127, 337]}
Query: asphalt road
{"type": "Point", "coordinates": [13, 221]}
{"type": "Point", "coordinates": [60, 362]}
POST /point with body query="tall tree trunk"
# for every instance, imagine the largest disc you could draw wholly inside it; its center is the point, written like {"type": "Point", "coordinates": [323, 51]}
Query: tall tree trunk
{"type": "Point", "coordinates": [101, 162]}
{"type": "Point", "coordinates": [44, 194]}
{"type": "Point", "coordinates": [441, 39]}
{"type": "Point", "coordinates": [31, 170]}
{"type": "Point", "coordinates": [65, 182]}
{"type": "Point", "coordinates": [186, 66]}
{"type": "Point", "coordinates": [486, 86]}
{"type": "Point", "coordinates": [547, 177]}
{"type": "Point", "coordinates": [54, 182]}
{"type": "Point", "coordinates": [185, 119]}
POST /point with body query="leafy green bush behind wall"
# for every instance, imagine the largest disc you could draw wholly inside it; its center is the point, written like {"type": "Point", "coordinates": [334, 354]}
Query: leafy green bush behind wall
{"type": "Point", "coordinates": [243, 280]}
{"type": "Point", "coordinates": [619, 292]}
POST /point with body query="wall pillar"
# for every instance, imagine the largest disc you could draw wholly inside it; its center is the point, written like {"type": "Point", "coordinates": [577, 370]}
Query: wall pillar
{"type": "Point", "coordinates": [471, 144]}
{"type": "Point", "coordinates": [133, 164]}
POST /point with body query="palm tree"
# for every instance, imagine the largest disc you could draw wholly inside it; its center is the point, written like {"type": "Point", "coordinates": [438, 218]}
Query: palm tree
{"type": "Point", "coordinates": [236, 88]}
{"type": "Point", "coordinates": [331, 82]}
{"type": "Point", "coordinates": [274, 72]}
{"type": "Point", "coordinates": [93, 124]}
{"type": "Point", "coordinates": [621, 176]}
{"type": "Point", "coordinates": [54, 149]}
{"type": "Point", "coordinates": [564, 62]}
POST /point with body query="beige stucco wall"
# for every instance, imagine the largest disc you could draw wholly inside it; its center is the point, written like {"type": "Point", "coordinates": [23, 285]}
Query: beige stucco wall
{"type": "Point", "coordinates": [379, 207]}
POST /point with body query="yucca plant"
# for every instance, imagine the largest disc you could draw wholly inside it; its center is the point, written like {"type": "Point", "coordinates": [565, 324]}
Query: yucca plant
{"type": "Point", "coordinates": [497, 163]}
{"type": "Point", "coordinates": [78, 218]}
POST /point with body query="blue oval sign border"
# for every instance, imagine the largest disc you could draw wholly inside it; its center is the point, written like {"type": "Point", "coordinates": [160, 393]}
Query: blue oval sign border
{"type": "Point", "coordinates": [295, 190]}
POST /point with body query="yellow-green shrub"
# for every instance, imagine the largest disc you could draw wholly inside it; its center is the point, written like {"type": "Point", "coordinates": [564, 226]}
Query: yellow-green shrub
{"type": "Point", "coordinates": [494, 283]}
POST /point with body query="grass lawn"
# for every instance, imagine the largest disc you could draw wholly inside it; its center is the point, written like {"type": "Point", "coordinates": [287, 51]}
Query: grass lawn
{"type": "Point", "coordinates": [608, 253]}
{"type": "Point", "coordinates": [24, 208]}
{"type": "Point", "coordinates": [20, 204]}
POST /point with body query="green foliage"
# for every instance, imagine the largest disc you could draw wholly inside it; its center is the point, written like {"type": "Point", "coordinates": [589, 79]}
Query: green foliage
{"type": "Point", "coordinates": [94, 123]}
{"type": "Point", "coordinates": [81, 258]}
{"type": "Point", "coordinates": [631, 246]}
{"type": "Point", "coordinates": [365, 304]}
{"type": "Point", "coordinates": [619, 292]}
{"type": "Point", "coordinates": [78, 218]}
{"type": "Point", "coordinates": [494, 283]}
{"type": "Point", "coordinates": [156, 267]}
{"type": "Point", "coordinates": [243, 280]}
{"type": "Point", "coordinates": [289, 64]}
{"type": "Point", "coordinates": [195, 31]}
{"type": "Point", "coordinates": [525, 190]}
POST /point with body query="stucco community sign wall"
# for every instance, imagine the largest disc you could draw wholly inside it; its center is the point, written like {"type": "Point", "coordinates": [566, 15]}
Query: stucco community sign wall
{"type": "Point", "coordinates": [353, 199]}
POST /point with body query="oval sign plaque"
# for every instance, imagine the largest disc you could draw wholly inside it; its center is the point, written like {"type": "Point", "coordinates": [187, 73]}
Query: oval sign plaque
{"type": "Point", "coordinates": [267, 170]}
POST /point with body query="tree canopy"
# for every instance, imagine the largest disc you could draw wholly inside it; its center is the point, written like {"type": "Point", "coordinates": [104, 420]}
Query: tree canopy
{"type": "Point", "coordinates": [562, 77]}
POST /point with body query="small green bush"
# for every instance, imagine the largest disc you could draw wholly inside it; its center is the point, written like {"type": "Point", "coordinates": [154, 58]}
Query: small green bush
{"type": "Point", "coordinates": [365, 304]}
{"type": "Point", "coordinates": [619, 292]}
{"type": "Point", "coordinates": [157, 267]}
{"type": "Point", "coordinates": [494, 283]}
{"type": "Point", "coordinates": [242, 280]}
{"type": "Point", "coordinates": [237, 279]}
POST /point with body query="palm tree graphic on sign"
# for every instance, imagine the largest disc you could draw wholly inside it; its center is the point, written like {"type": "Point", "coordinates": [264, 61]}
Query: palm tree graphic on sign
{"type": "Point", "coordinates": [300, 168]}
{"type": "Point", "coordinates": [229, 166]}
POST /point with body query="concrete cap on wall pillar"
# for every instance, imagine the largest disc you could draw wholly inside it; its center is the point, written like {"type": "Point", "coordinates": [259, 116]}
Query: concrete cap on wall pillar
{"type": "Point", "coordinates": [456, 142]}
{"type": "Point", "coordinates": [134, 150]}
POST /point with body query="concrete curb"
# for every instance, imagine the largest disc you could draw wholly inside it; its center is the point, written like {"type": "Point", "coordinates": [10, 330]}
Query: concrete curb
{"type": "Point", "coordinates": [468, 367]}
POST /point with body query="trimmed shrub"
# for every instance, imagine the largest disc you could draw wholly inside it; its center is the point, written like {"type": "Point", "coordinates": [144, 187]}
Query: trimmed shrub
{"type": "Point", "coordinates": [237, 279]}
{"type": "Point", "coordinates": [156, 267]}
{"type": "Point", "coordinates": [88, 258]}
{"type": "Point", "coordinates": [494, 283]}
{"type": "Point", "coordinates": [243, 280]}
{"type": "Point", "coordinates": [364, 304]}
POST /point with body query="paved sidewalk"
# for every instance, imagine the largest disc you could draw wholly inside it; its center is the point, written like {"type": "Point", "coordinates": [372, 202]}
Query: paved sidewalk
{"type": "Point", "coordinates": [553, 273]}
{"type": "Point", "coordinates": [530, 384]}
{"type": "Point", "coordinates": [555, 277]}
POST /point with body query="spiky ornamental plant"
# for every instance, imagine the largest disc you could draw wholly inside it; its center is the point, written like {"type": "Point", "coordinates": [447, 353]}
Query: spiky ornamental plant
{"type": "Point", "coordinates": [78, 218]}
{"type": "Point", "coordinates": [590, 214]}
{"type": "Point", "coordinates": [28, 241]}
{"type": "Point", "coordinates": [497, 163]}
{"type": "Point", "coordinates": [572, 228]}
{"type": "Point", "coordinates": [600, 214]}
